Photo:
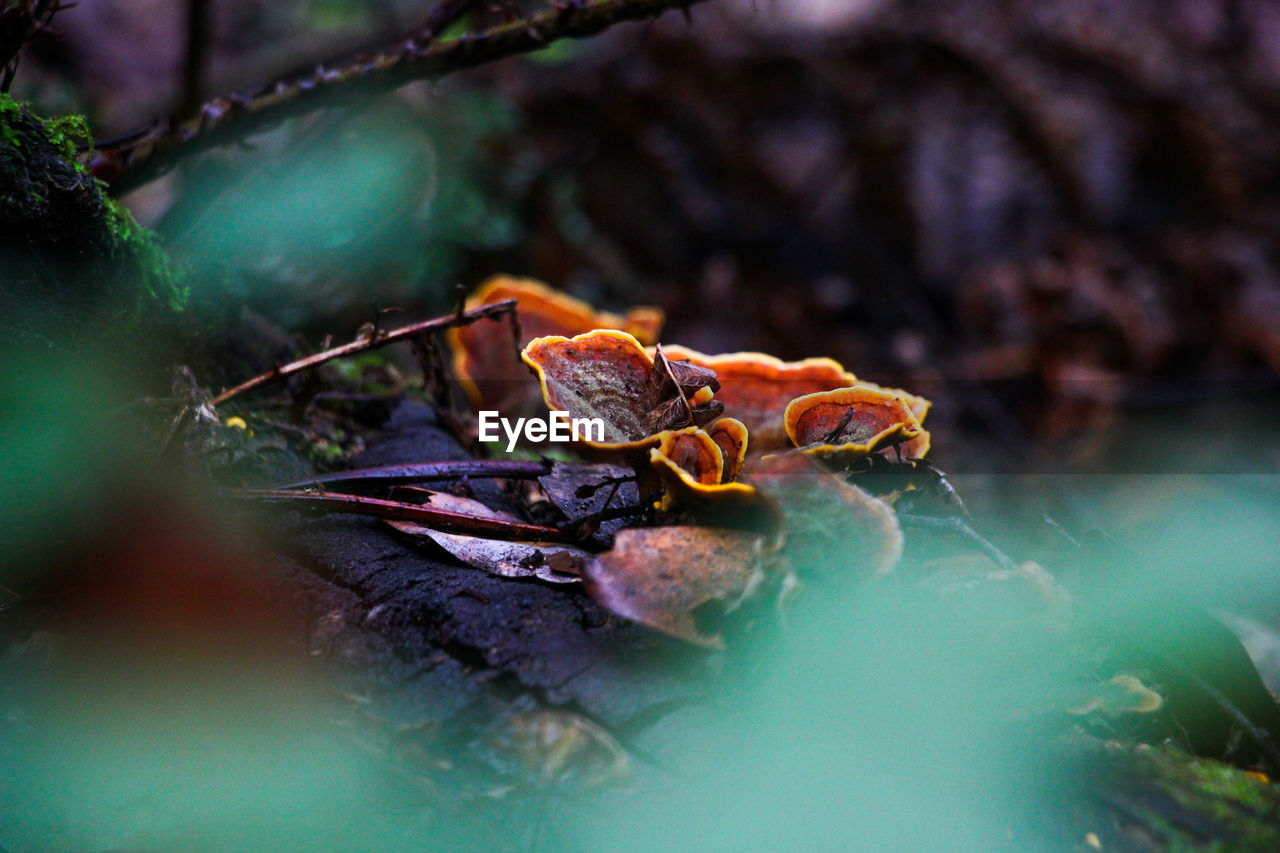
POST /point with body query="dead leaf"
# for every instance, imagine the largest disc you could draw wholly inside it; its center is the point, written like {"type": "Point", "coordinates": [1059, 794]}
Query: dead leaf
{"type": "Point", "coordinates": [660, 576]}
{"type": "Point", "coordinates": [680, 394]}
{"type": "Point", "coordinates": [553, 746]}
{"type": "Point", "coordinates": [580, 490]}
{"type": "Point", "coordinates": [548, 561]}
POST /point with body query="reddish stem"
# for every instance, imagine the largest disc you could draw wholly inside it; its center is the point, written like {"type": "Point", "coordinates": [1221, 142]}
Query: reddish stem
{"type": "Point", "coordinates": [453, 522]}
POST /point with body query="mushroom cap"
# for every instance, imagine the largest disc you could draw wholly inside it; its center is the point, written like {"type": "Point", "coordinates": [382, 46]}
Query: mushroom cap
{"type": "Point", "coordinates": [690, 454]}
{"type": "Point", "coordinates": [849, 422]}
{"type": "Point", "coordinates": [481, 353]}
{"type": "Point", "coordinates": [756, 387]}
{"type": "Point", "coordinates": [730, 435]}
{"type": "Point", "coordinates": [690, 465]}
{"type": "Point", "coordinates": [919, 446]}
{"type": "Point", "coordinates": [600, 374]}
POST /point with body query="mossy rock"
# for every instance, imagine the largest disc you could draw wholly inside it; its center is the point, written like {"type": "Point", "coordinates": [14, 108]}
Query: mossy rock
{"type": "Point", "coordinates": [74, 264]}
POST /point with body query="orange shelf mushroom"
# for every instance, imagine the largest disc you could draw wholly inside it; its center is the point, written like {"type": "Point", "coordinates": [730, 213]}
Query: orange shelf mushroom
{"type": "Point", "coordinates": [917, 447]}
{"type": "Point", "coordinates": [730, 435]}
{"type": "Point", "coordinates": [756, 388]}
{"type": "Point", "coordinates": [691, 455]}
{"type": "Point", "coordinates": [850, 422]}
{"type": "Point", "coordinates": [601, 374]}
{"type": "Point", "coordinates": [482, 352]}
{"type": "Point", "coordinates": [692, 469]}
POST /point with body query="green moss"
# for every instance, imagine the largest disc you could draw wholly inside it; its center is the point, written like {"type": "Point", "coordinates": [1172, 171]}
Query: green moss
{"type": "Point", "coordinates": [77, 262]}
{"type": "Point", "coordinates": [159, 278]}
{"type": "Point", "coordinates": [1246, 807]}
{"type": "Point", "coordinates": [68, 132]}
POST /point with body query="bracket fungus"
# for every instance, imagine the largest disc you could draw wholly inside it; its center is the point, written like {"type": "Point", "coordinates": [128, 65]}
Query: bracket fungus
{"type": "Point", "coordinates": [818, 508]}
{"type": "Point", "coordinates": [755, 387]}
{"type": "Point", "coordinates": [691, 455]}
{"type": "Point", "coordinates": [917, 447]}
{"type": "Point", "coordinates": [607, 375]}
{"type": "Point", "coordinates": [694, 472]}
{"type": "Point", "coordinates": [602, 374]}
{"type": "Point", "coordinates": [848, 423]}
{"type": "Point", "coordinates": [730, 435]}
{"type": "Point", "coordinates": [482, 358]}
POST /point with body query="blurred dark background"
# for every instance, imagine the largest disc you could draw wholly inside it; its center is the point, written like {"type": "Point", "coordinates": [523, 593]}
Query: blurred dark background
{"type": "Point", "coordinates": [1055, 218]}
{"type": "Point", "coordinates": [1041, 214]}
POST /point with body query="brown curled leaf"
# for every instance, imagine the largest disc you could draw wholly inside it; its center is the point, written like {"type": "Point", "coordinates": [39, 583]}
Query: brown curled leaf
{"type": "Point", "coordinates": [755, 388]}
{"type": "Point", "coordinates": [672, 414]}
{"type": "Point", "coordinates": [680, 394]}
{"type": "Point", "coordinates": [483, 357]}
{"type": "Point", "coordinates": [679, 378]}
{"type": "Point", "coordinates": [660, 576]}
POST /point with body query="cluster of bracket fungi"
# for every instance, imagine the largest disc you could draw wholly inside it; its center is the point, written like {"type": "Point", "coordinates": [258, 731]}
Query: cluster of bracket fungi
{"type": "Point", "coordinates": [744, 452]}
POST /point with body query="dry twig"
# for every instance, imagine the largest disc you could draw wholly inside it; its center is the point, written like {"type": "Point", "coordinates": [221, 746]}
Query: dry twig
{"type": "Point", "coordinates": [465, 318]}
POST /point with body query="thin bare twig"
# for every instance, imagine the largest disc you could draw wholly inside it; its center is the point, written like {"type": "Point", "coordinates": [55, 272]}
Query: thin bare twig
{"type": "Point", "coordinates": [455, 522]}
{"type": "Point", "coordinates": [427, 472]}
{"type": "Point", "coordinates": [497, 309]}
{"type": "Point", "coordinates": [233, 117]}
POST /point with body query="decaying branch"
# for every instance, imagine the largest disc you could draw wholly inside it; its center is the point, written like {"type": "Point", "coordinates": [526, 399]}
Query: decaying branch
{"type": "Point", "coordinates": [226, 119]}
